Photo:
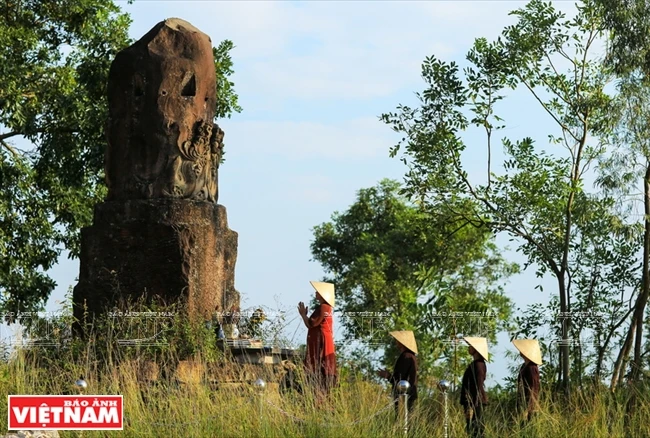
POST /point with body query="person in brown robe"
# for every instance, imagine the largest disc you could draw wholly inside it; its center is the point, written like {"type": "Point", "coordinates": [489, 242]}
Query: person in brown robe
{"type": "Point", "coordinates": [528, 380]}
{"type": "Point", "coordinates": [320, 360]}
{"type": "Point", "coordinates": [406, 367]}
{"type": "Point", "coordinates": [472, 392]}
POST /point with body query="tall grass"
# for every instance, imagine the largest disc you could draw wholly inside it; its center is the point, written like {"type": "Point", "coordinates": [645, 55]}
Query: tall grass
{"type": "Point", "coordinates": [170, 407]}
{"type": "Point", "coordinates": [208, 395]}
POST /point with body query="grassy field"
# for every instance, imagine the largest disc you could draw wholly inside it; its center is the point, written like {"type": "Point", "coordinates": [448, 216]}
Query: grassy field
{"type": "Point", "coordinates": [165, 399]}
{"type": "Point", "coordinates": [196, 408]}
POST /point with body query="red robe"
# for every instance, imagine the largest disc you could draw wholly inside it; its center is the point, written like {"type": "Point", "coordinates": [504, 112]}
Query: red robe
{"type": "Point", "coordinates": [321, 358]}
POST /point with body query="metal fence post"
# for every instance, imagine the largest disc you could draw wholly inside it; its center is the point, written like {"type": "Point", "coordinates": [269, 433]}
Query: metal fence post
{"type": "Point", "coordinates": [260, 385]}
{"type": "Point", "coordinates": [403, 387]}
{"type": "Point", "coordinates": [444, 385]}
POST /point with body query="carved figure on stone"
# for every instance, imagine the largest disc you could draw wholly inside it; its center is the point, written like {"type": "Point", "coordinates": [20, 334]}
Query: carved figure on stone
{"type": "Point", "coordinates": [162, 141]}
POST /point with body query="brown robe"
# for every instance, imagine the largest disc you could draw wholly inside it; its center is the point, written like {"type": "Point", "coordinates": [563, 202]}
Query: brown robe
{"type": "Point", "coordinates": [320, 360]}
{"type": "Point", "coordinates": [406, 368]}
{"type": "Point", "coordinates": [472, 391]}
{"type": "Point", "coordinates": [528, 387]}
{"type": "Point", "coordinates": [473, 397]}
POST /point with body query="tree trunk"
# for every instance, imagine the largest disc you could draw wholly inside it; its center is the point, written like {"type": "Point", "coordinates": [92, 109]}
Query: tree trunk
{"type": "Point", "coordinates": [580, 363]}
{"type": "Point", "coordinates": [642, 300]}
{"type": "Point", "coordinates": [621, 375]}
{"type": "Point", "coordinates": [602, 349]}
{"type": "Point", "coordinates": [622, 356]}
{"type": "Point", "coordinates": [565, 320]}
{"type": "Point", "coordinates": [599, 362]}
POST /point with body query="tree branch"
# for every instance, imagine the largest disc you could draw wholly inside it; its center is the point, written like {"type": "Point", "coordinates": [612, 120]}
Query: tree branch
{"type": "Point", "coordinates": [541, 102]}
{"type": "Point", "coordinates": [38, 131]}
{"type": "Point", "coordinates": [548, 58]}
{"type": "Point", "coordinates": [508, 226]}
{"type": "Point", "coordinates": [9, 148]}
{"type": "Point", "coordinates": [8, 135]}
{"type": "Point", "coordinates": [566, 143]}
{"type": "Point", "coordinates": [590, 40]}
{"type": "Point", "coordinates": [488, 132]}
{"type": "Point", "coordinates": [565, 56]}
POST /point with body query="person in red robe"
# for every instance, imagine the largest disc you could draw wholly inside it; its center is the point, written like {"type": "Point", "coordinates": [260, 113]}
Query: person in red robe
{"type": "Point", "coordinates": [320, 360]}
{"type": "Point", "coordinates": [528, 379]}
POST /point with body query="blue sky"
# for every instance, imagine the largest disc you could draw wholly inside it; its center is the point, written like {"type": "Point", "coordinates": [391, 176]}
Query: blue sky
{"type": "Point", "coordinates": [313, 77]}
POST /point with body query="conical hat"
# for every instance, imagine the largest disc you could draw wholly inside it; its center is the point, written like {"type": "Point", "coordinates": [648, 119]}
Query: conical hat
{"type": "Point", "coordinates": [407, 339]}
{"type": "Point", "coordinates": [530, 349]}
{"type": "Point", "coordinates": [480, 345]}
{"type": "Point", "coordinates": [326, 290]}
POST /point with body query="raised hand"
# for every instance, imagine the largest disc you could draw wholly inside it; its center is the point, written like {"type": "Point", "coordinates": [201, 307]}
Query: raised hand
{"type": "Point", "coordinates": [302, 309]}
{"type": "Point", "coordinates": [383, 374]}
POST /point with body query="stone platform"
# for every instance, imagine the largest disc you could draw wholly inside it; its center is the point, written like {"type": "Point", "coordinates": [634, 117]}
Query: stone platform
{"type": "Point", "coordinates": [254, 352]}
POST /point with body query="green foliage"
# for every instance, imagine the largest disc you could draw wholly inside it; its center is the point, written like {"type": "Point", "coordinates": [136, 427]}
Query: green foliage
{"type": "Point", "coordinates": [253, 326]}
{"type": "Point", "coordinates": [625, 165]}
{"type": "Point", "coordinates": [227, 99]}
{"type": "Point", "coordinates": [628, 24]}
{"type": "Point", "coordinates": [54, 64]}
{"type": "Point", "coordinates": [387, 255]}
{"type": "Point", "coordinates": [622, 173]}
{"type": "Point", "coordinates": [54, 59]}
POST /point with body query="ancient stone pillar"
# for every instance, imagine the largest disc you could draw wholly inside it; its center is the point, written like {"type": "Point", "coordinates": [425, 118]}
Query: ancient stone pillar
{"type": "Point", "coordinates": [160, 233]}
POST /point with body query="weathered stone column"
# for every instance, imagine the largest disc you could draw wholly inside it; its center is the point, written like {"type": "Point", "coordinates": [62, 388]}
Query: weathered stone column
{"type": "Point", "coordinates": [161, 234]}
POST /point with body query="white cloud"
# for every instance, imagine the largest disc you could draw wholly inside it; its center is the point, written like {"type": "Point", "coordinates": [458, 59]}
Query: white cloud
{"type": "Point", "coordinates": [355, 139]}
{"type": "Point", "coordinates": [345, 73]}
{"type": "Point", "coordinates": [365, 49]}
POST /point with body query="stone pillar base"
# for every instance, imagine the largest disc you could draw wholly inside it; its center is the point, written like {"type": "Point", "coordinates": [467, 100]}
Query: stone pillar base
{"type": "Point", "coordinates": [167, 250]}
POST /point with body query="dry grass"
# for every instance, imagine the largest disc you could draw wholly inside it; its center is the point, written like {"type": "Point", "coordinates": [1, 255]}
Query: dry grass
{"type": "Point", "coordinates": [165, 396]}
{"type": "Point", "coordinates": [196, 408]}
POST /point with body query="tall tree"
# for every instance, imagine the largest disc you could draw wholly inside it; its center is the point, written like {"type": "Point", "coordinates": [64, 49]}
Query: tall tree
{"type": "Point", "coordinates": [54, 63]}
{"type": "Point", "coordinates": [605, 265]}
{"type": "Point", "coordinates": [628, 54]}
{"type": "Point", "coordinates": [623, 173]}
{"type": "Point", "coordinates": [536, 200]}
{"type": "Point", "coordinates": [387, 255]}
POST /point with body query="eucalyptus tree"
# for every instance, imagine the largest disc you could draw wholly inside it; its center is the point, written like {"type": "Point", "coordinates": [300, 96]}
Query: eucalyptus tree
{"type": "Point", "coordinates": [628, 169]}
